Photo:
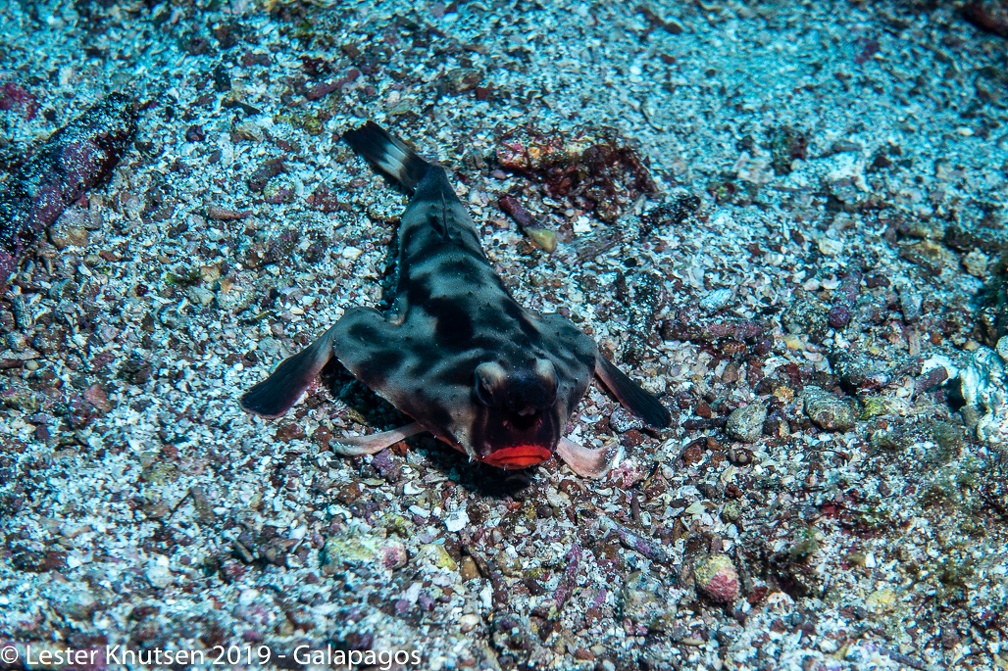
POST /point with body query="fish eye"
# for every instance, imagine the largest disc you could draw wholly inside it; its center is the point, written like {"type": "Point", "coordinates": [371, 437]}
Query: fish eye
{"type": "Point", "coordinates": [545, 373]}
{"type": "Point", "coordinates": [490, 379]}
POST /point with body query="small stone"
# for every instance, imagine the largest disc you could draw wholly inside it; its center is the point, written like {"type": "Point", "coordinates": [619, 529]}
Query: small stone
{"type": "Point", "coordinates": [65, 232]}
{"type": "Point", "coordinates": [468, 622]}
{"type": "Point", "coordinates": [97, 397]}
{"type": "Point", "coordinates": [860, 371]}
{"type": "Point", "coordinates": [360, 550]}
{"type": "Point", "coordinates": [976, 263]}
{"type": "Point", "coordinates": [717, 578]}
{"type": "Point", "coordinates": [219, 213]}
{"type": "Point", "coordinates": [894, 439]}
{"type": "Point", "coordinates": [644, 600]}
{"type": "Point", "coordinates": [543, 237]}
{"type": "Point", "coordinates": [931, 256]}
{"type": "Point", "coordinates": [949, 442]}
{"type": "Point", "coordinates": [716, 299]}
{"type": "Point", "coordinates": [829, 246]}
{"type": "Point", "coordinates": [23, 317]}
{"type": "Point", "coordinates": [438, 556]}
{"type": "Point", "coordinates": [740, 457]}
{"type": "Point", "coordinates": [922, 229]}
{"type": "Point", "coordinates": [270, 348]}
{"type": "Point", "coordinates": [805, 546]}
{"type": "Point", "coordinates": [457, 520]}
{"type": "Point", "coordinates": [732, 512]}
{"type": "Point", "coordinates": [746, 423]}
{"type": "Point", "coordinates": [881, 600]}
{"type": "Point", "coordinates": [200, 296]}
{"type": "Point", "coordinates": [77, 603]}
{"type": "Point", "coordinates": [234, 301]}
{"type": "Point", "coordinates": [278, 190]}
{"type": "Point", "coordinates": [827, 411]}
{"type": "Point", "coordinates": [210, 273]}
{"type": "Point", "coordinates": [839, 316]}
{"type": "Point", "coordinates": [910, 302]}
{"type": "Point", "coordinates": [984, 386]}
{"type": "Point", "coordinates": [159, 472]}
{"type": "Point", "coordinates": [312, 125]}
{"type": "Point", "coordinates": [971, 416]}
{"type": "Point", "coordinates": [622, 421]}
{"type": "Point", "coordinates": [846, 188]}
{"type": "Point", "coordinates": [248, 130]}
{"type": "Point", "coordinates": [469, 569]}
{"type": "Point", "coordinates": [393, 555]}
{"type": "Point", "coordinates": [808, 316]}
{"type": "Point", "coordinates": [195, 133]}
{"type": "Point", "coordinates": [159, 575]}
{"type": "Point", "coordinates": [883, 405]}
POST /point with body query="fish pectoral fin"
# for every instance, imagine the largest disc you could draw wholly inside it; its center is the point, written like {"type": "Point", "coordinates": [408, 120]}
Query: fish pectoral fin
{"type": "Point", "coordinates": [276, 394]}
{"type": "Point", "coordinates": [631, 395]}
{"type": "Point", "coordinates": [355, 446]}
{"type": "Point", "coordinates": [587, 462]}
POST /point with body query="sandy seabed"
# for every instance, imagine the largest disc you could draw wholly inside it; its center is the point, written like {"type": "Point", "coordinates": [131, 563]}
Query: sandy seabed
{"type": "Point", "coordinates": [813, 281]}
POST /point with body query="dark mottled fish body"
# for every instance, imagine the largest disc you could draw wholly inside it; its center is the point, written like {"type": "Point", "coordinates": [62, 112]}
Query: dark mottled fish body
{"type": "Point", "coordinates": [451, 316]}
{"type": "Point", "coordinates": [77, 157]}
{"type": "Point", "coordinates": [457, 353]}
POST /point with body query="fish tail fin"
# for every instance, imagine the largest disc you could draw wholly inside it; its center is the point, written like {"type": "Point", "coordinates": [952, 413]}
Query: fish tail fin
{"type": "Point", "coordinates": [388, 154]}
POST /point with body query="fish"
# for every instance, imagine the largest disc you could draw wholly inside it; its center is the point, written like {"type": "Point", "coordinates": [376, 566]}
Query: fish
{"type": "Point", "coordinates": [456, 352]}
{"type": "Point", "coordinates": [78, 157]}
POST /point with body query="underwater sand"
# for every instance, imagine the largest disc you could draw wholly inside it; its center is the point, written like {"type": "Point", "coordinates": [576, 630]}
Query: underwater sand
{"type": "Point", "coordinates": [830, 206]}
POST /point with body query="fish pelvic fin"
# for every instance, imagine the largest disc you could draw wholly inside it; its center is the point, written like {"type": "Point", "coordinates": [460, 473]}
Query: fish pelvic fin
{"type": "Point", "coordinates": [355, 446]}
{"type": "Point", "coordinates": [587, 462]}
{"type": "Point", "coordinates": [390, 155]}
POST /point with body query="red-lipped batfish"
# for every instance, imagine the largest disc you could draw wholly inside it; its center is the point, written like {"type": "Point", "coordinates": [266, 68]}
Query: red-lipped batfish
{"type": "Point", "coordinates": [456, 352]}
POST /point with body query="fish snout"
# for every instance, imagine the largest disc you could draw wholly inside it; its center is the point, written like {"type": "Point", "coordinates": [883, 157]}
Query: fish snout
{"type": "Point", "coordinates": [523, 391]}
{"type": "Point", "coordinates": [519, 424]}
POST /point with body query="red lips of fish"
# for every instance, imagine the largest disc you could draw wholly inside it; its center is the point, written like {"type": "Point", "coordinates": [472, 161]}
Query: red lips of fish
{"type": "Point", "coordinates": [519, 456]}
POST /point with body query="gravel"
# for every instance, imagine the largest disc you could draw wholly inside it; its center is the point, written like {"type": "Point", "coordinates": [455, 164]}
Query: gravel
{"type": "Point", "coordinates": [798, 207]}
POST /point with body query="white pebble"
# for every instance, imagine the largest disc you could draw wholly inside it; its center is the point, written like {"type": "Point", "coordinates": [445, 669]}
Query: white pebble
{"type": "Point", "coordinates": [829, 246]}
{"type": "Point", "coordinates": [159, 576]}
{"type": "Point", "coordinates": [716, 299]}
{"type": "Point", "coordinates": [457, 520]}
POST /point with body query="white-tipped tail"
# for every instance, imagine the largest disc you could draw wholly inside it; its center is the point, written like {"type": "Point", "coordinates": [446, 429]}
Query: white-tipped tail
{"type": "Point", "coordinates": [388, 154]}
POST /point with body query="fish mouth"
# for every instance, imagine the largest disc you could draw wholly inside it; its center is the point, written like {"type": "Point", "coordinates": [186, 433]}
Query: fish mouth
{"type": "Point", "coordinates": [518, 456]}
{"type": "Point", "coordinates": [530, 420]}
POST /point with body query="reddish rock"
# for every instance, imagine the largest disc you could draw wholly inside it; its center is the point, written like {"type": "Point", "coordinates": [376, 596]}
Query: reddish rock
{"type": "Point", "coordinates": [989, 15]}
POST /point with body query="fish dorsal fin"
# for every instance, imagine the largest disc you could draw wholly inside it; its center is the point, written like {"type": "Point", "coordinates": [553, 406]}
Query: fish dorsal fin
{"type": "Point", "coordinates": [440, 222]}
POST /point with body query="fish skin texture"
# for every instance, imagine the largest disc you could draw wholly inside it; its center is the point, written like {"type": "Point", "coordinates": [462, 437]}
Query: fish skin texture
{"type": "Point", "coordinates": [456, 352]}
{"type": "Point", "coordinates": [78, 157]}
